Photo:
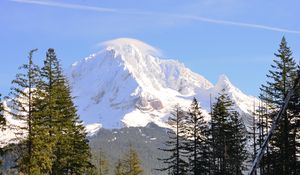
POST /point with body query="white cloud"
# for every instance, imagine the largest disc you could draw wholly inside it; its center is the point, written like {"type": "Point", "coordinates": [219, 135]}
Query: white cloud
{"type": "Point", "coordinates": [132, 12]}
{"type": "Point", "coordinates": [239, 24]}
{"type": "Point", "coordinates": [66, 5]}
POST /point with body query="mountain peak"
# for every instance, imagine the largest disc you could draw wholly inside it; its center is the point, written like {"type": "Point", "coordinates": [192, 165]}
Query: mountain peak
{"type": "Point", "coordinates": [130, 45]}
{"type": "Point", "coordinates": [223, 77]}
{"type": "Point", "coordinates": [223, 82]}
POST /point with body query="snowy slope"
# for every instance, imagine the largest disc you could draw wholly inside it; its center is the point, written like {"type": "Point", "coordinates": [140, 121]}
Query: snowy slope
{"type": "Point", "coordinates": [128, 83]}
{"type": "Point", "coordinates": [11, 133]}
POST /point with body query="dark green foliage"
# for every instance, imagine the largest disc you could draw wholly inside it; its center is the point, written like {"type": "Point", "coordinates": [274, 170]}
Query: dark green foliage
{"type": "Point", "coordinates": [196, 133]}
{"type": "Point", "coordinates": [131, 163]}
{"type": "Point", "coordinates": [175, 163]}
{"type": "Point", "coordinates": [21, 97]}
{"type": "Point", "coordinates": [229, 138]}
{"type": "Point", "coordinates": [70, 150]}
{"type": "Point", "coordinates": [253, 134]}
{"type": "Point", "coordinates": [56, 141]}
{"type": "Point", "coordinates": [263, 124]}
{"type": "Point", "coordinates": [284, 145]}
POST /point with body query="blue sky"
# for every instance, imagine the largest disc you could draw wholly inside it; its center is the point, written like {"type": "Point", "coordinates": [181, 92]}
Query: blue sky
{"type": "Point", "coordinates": [211, 37]}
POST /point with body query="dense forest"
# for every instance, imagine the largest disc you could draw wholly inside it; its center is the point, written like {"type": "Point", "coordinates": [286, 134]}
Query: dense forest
{"type": "Point", "coordinates": [56, 143]}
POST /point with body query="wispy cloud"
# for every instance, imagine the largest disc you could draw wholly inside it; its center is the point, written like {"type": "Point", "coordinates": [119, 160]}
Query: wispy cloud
{"type": "Point", "coordinates": [67, 5]}
{"type": "Point", "coordinates": [239, 24]}
{"type": "Point", "coordinates": [133, 12]}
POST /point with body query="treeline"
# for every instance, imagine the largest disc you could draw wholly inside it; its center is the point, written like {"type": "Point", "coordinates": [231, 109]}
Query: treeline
{"type": "Point", "coordinates": [55, 139]}
{"type": "Point", "coordinates": [218, 147]}
{"type": "Point", "coordinates": [200, 147]}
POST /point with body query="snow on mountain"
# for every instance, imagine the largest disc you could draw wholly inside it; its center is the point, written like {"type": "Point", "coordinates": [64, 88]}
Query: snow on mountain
{"type": "Point", "coordinates": [92, 129]}
{"type": "Point", "coordinates": [127, 83]}
{"type": "Point", "coordinates": [12, 132]}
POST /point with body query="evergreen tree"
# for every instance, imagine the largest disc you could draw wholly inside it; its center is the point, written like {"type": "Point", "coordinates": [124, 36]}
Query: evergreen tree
{"type": "Point", "coordinates": [103, 164]}
{"type": "Point", "coordinates": [237, 144]}
{"type": "Point", "coordinates": [253, 134]}
{"type": "Point", "coordinates": [119, 169]}
{"type": "Point", "coordinates": [197, 140]}
{"type": "Point", "coordinates": [132, 163]}
{"type": "Point", "coordinates": [295, 132]}
{"type": "Point", "coordinates": [175, 163]}
{"type": "Point", "coordinates": [283, 144]}
{"type": "Point", "coordinates": [21, 97]}
{"type": "Point", "coordinates": [263, 129]}
{"type": "Point", "coordinates": [70, 149]}
{"type": "Point", "coordinates": [229, 138]}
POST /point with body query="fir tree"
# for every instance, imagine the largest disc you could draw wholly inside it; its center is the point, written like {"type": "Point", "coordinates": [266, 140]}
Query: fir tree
{"type": "Point", "coordinates": [283, 144]}
{"type": "Point", "coordinates": [71, 154]}
{"type": "Point", "coordinates": [295, 132]}
{"type": "Point", "coordinates": [229, 137]}
{"type": "Point", "coordinates": [197, 140]}
{"type": "Point", "coordinates": [253, 134]}
{"type": "Point", "coordinates": [132, 163]}
{"type": "Point", "coordinates": [103, 164]}
{"type": "Point", "coordinates": [21, 97]}
{"type": "Point", "coordinates": [236, 144]}
{"type": "Point", "coordinates": [263, 126]}
{"type": "Point", "coordinates": [175, 163]}
{"type": "Point", "coordinates": [120, 169]}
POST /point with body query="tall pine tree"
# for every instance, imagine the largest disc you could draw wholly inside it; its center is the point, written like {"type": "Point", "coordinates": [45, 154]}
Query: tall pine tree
{"type": "Point", "coordinates": [197, 140]}
{"type": "Point", "coordinates": [176, 163]}
{"type": "Point", "coordinates": [132, 163]}
{"type": "Point", "coordinates": [263, 124]}
{"type": "Point", "coordinates": [21, 98]}
{"type": "Point", "coordinates": [71, 154]}
{"type": "Point", "coordinates": [103, 164]}
{"type": "Point", "coordinates": [119, 169]}
{"type": "Point", "coordinates": [283, 145]}
{"type": "Point", "coordinates": [229, 136]}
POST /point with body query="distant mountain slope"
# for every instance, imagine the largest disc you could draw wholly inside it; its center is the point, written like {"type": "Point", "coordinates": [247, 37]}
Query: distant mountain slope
{"type": "Point", "coordinates": [114, 144]}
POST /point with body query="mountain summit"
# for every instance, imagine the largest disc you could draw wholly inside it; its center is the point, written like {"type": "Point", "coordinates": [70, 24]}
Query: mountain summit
{"type": "Point", "coordinates": [128, 83]}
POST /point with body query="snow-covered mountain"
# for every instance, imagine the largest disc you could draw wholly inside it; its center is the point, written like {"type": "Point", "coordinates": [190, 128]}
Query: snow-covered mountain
{"type": "Point", "coordinates": [128, 83]}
